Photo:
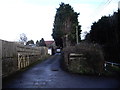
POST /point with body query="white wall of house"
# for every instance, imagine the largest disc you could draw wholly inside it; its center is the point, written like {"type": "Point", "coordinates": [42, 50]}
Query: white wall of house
{"type": "Point", "coordinates": [50, 51]}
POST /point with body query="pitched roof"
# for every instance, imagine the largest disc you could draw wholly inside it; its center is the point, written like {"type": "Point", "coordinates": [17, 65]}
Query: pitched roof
{"type": "Point", "coordinates": [49, 42]}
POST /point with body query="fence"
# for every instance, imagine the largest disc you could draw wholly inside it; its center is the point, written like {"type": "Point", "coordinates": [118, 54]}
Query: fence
{"type": "Point", "coordinates": [16, 56]}
{"type": "Point", "coordinates": [110, 64]}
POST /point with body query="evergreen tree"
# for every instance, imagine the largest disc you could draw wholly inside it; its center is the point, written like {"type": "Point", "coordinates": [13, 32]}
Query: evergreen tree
{"type": "Point", "coordinates": [30, 42]}
{"type": "Point", "coordinates": [65, 23]}
{"type": "Point", "coordinates": [42, 42]}
{"type": "Point", "coordinates": [37, 43]}
{"type": "Point", "coordinates": [106, 32]}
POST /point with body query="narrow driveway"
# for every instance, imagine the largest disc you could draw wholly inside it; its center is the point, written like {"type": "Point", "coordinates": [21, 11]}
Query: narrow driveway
{"type": "Point", "coordinates": [48, 74]}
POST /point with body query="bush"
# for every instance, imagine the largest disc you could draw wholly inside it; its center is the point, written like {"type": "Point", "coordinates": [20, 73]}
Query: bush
{"type": "Point", "coordinates": [90, 62]}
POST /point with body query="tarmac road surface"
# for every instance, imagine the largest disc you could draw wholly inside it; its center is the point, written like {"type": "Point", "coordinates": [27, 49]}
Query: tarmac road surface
{"type": "Point", "coordinates": [48, 74]}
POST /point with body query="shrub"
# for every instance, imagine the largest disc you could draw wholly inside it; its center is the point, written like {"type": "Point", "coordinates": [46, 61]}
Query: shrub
{"type": "Point", "coordinates": [90, 62]}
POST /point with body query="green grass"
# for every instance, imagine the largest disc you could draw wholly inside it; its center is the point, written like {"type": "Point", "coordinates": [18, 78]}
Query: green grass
{"type": "Point", "coordinates": [112, 71]}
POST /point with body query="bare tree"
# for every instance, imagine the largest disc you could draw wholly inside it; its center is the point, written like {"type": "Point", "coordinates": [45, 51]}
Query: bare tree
{"type": "Point", "coordinates": [23, 38]}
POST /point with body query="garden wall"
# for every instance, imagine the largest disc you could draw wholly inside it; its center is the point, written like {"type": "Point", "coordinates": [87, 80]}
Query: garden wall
{"type": "Point", "coordinates": [17, 56]}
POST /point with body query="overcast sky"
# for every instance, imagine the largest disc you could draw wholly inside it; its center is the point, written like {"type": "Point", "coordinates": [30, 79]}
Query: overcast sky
{"type": "Point", "coordinates": [35, 17]}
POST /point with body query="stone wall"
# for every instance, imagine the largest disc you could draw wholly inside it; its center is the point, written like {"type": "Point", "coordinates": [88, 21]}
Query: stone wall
{"type": "Point", "coordinates": [84, 58]}
{"type": "Point", "coordinates": [16, 56]}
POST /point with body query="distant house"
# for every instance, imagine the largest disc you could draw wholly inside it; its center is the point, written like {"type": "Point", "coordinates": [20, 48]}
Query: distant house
{"type": "Point", "coordinates": [51, 46]}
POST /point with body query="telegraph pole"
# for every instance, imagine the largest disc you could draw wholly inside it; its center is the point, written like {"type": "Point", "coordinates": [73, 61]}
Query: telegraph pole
{"type": "Point", "coordinates": [77, 34]}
